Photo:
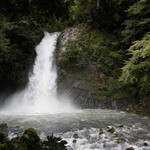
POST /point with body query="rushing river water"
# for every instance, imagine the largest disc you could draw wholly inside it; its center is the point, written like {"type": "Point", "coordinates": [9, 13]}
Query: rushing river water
{"type": "Point", "coordinates": [87, 129]}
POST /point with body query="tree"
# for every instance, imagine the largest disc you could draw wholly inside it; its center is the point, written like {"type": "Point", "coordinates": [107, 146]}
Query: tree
{"type": "Point", "coordinates": [137, 68]}
{"type": "Point", "coordinates": [100, 14]}
{"type": "Point", "coordinates": [138, 22]}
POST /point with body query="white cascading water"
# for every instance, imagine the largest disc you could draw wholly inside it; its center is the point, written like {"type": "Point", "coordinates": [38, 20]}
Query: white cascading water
{"type": "Point", "coordinates": [40, 95]}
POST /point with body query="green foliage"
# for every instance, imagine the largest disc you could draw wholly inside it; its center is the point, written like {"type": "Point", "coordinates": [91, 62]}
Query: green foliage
{"type": "Point", "coordinates": [100, 14]}
{"type": "Point", "coordinates": [21, 23]}
{"type": "Point", "coordinates": [14, 9]}
{"type": "Point", "coordinates": [17, 43]}
{"type": "Point", "coordinates": [61, 75]}
{"type": "Point", "coordinates": [138, 22]}
{"type": "Point", "coordinates": [115, 90]}
{"type": "Point", "coordinates": [3, 40]}
{"type": "Point", "coordinates": [137, 68]}
{"type": "Point", "coordinates": [126, 21]}
{"type": "Point", "coordinates": [108, 28]}
{"type": "Point", "coordinates": [51, 15]}
{"type": "Point", "coordinates": [93, 47]}
{"type": "Point", "coordinates": [3, 46]}
{"type": "Point", "coordinates": [73, 56]}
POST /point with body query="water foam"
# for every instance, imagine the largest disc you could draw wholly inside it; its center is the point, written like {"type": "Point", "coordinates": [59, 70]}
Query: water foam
{"type": "Point", "coordinates": [40, 95]}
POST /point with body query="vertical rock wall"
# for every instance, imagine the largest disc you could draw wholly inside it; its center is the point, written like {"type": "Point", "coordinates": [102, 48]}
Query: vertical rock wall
{"type": "Point", "coordinates": [76, 83]}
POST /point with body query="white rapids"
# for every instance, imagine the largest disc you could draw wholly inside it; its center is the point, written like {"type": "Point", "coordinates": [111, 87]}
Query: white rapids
{"type": "Point", "coordinates": [87, 129]}
{"type": "Point", "coordinates": [40, 95]}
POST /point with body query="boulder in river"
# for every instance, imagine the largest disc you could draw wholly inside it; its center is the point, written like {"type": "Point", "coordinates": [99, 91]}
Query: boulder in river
{"type": "Point", "coordinates": [3, 125]}
{"type": "Point", "coordinates": [76, 136]}
{"type": "Point", "coordinates": [31, 139]}
{"type": "Point", "coordinates": [130, 148]}
{"type": "Point", "coordinates": [2, 136]}
{"type": "Point", "coordinates": [110, 129]}
{"type": "Point", "coordinates": [145, 144]}
{"type": "Point", "coordinates": [101, 131]}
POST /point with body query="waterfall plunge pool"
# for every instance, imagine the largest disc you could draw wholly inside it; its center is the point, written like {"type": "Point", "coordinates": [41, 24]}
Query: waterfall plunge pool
{"type": "Point", "coordinates": [130, 129]}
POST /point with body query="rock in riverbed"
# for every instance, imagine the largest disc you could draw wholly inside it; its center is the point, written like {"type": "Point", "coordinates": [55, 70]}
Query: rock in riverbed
{"type": "Point", "coordinates": [110, 129]}
{"type": "Point", "coordinates": [31, 141]}
{"type": "Point", "coordinates": [130, 148]}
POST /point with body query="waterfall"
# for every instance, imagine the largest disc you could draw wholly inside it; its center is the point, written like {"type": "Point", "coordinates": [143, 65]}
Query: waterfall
{"type": "Point", "coordinates": [40, 95]}
{"type": "Point", "coordinates": [42, 82]}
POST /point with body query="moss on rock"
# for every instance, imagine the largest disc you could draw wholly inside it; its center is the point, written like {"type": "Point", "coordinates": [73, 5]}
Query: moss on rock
{"type": "Point", "coordinates": [31, 141]}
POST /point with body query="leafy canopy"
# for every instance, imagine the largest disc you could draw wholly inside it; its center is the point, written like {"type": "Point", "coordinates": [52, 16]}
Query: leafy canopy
{"type": "Point", "coordinates": [137, 68]}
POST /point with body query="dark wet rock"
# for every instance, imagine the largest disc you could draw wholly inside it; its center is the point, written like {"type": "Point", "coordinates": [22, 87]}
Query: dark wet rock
{"type": "Point", "coordinates": [31, 139]}
{"type": "Point", "coordinates": [3, 126]}
{"type": "Point", "coordinates": [101, 131]}
{"type": "Point", "coordinates": [145, 144]}
{"type": "Point", "coordinates": [17, 126]}
{"type": "Point", "coordinates": [110, 129]}
{"type": "Point", "coordinates": [79, 88]}
{"type": "Point", "coordinates": [76, 136]}
{"type": "Point", "coordinates": [118, 135]}
{"type": "Point", "coordinates": [54, 143]}
{"type": "Point", "coordinates": [140, 144]}
{"type": "Point", "coordinates": [3, 136]}
{"type": "Point", "coordinates": [30, 133]}
{"type": "Point", "coordinates": [74, 141]}
{"type": "Point", "coordinates": [69, 148]}
{"type": "Point", "coordinates": [120, 125]}
{"type": "Point", "coordinates": [130, 148]}
{"type": "Point", "coordinates": [15, 139]}
{"type": "Point", "coordinates": [120, 140]}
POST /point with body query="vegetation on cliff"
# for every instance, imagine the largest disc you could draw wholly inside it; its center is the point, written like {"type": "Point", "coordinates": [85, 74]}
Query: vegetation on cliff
{"type": "Point", "coordinates": [113, 38]}
{"type": "Point", "coordinates": [21, 25]}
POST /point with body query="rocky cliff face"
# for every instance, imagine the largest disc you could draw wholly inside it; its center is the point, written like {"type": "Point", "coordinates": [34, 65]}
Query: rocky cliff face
{"type": "Point", "coordinates": [82, 94]}
{"type": "Point", "coordinates": [78, 83]}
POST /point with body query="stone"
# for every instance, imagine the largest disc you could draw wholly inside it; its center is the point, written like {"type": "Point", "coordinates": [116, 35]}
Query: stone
{"type": "Point", "coordinates": [54, 143]}
{"type": "Point", "coordinates": [145, 144]}
{"type": "Point", "coordinates": [110, 129]}
{"type": "Point", "coordinates": [120, 140]}
{"type": "Point", "coordinates": [31, 139]}
{"type": "Point", "coordinates": [120, 125]}
{"type": "Point", "coordinates": [2, 136]}
{"type": "Point", "coordinates": [3, 125]}
{"type": "Point", "coordinates": [101, 131]}
{"type": "Point", "coordinates": [130, 148]}
{"type": "Point", "coordinates": [118, 135]}
{"type": "Point", "coordinates": [74, 141]}
{"type": "Point", "coordinates": [76, 136]}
